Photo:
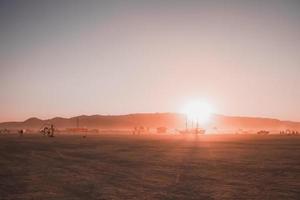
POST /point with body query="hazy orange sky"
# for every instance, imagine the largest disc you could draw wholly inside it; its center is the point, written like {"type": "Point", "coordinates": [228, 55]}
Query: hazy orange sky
{"type": "Point", "coordinates": [66, 58]}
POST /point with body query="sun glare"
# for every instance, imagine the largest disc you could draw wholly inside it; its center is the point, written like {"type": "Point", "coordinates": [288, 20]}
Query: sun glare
{"type": "Point", "coordinates": [198, 111]}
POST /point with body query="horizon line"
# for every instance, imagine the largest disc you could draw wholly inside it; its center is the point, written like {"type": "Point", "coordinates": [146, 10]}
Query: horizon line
{"type": "Point", "coordinates": [140, 113]}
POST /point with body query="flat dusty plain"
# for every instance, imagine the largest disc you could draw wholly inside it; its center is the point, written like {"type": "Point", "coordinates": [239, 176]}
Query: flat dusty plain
{"type": "Point", "coordinates": [112, 166]}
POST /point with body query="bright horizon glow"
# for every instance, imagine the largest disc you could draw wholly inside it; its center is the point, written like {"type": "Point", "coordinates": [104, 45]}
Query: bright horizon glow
{"type": "Point", "coordinates": [198, 111]}
{"type": "Point", "coordinates": [70, 58]}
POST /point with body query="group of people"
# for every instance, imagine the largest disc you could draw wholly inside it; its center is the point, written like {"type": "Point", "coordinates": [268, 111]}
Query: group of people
{"type": "Point", "coordinates": [48, 131]}
{"type": "Point", "coordinates": [289, 132]}
{"type": "Point", "coordinates": [137, 130]}
{"type": "Point", "coordinates": [4, 131]}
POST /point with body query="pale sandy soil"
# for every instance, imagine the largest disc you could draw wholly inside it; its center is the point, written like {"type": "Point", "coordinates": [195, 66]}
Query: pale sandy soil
{"type": "Point", "coordinates": [149, 167]}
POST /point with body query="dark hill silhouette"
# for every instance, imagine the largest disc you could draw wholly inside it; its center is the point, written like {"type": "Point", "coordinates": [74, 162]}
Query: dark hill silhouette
{"type": "Point", "coordinates": [153, 120]}
{"type": "Point", "coordinates": [253, 123]}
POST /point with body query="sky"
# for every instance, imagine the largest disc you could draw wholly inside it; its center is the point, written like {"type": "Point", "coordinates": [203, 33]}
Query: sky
{"type": "Point", "coordinates": [67, 58]}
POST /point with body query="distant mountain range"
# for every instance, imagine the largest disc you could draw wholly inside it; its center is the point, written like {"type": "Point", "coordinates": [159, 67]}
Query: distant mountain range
{"type": "Point", "coordinates": [154, 120]}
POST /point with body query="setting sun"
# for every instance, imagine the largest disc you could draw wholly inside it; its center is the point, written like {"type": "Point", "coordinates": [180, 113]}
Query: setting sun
{"type": "Point", "coordinates": [198, 111]}
{"type": "Point", "coordinates": [149, 99]}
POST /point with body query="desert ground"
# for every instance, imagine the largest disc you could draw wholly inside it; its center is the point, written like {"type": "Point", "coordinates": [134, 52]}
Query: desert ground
{"type": "Point", "coordinates": [116, 166]}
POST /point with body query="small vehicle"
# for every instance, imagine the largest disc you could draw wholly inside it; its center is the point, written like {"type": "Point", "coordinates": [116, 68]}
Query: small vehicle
{"type": "Point", "coordinates": [263, 132]}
